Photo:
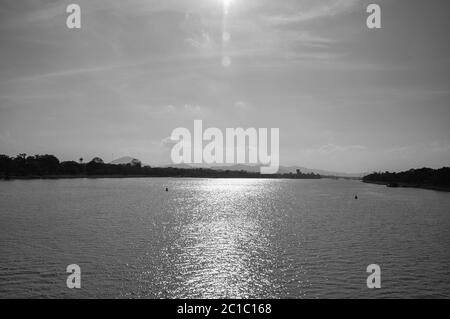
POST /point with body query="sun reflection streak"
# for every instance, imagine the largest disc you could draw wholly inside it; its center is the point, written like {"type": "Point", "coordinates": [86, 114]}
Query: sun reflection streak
{"type": "Point", "coordinates": [224, 248]}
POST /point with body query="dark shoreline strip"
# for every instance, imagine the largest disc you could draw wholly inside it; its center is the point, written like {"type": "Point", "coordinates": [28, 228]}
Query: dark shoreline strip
{"type": "Point", "coordinates": [54, 177]}
{"type": "Point", "coordinates": [406, 185]}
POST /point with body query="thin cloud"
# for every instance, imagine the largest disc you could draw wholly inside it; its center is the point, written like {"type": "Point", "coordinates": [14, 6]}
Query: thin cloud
{"type": "Point", "coordinates": [329, 149]}
{"type": "Point", "coordinates": [318, 10]}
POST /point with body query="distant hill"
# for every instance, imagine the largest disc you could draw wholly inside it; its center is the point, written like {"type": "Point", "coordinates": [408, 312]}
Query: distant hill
{"type": "Point", "coordinates": [124, 160]}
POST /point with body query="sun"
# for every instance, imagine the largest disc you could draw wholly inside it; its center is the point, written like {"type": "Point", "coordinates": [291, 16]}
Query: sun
{"type": "Point", "coordinates": [226, 5]}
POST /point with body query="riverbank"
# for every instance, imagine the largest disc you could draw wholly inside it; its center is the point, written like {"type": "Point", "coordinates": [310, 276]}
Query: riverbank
{"type": "Point", "coordinates": [406, 185]}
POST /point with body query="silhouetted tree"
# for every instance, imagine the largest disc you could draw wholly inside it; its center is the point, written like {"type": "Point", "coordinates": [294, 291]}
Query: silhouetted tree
{"type": "Point", "coordinates": [136, 163]}
{"type": "Point", "coordinates": [414, 177]}
{"type": "Point", "coordinates": [70, 168]}
{"type": "Point", "coordinates": [6, 163]}
{"type": "Point", "coordinates": [46, 165]}
{"type": "Point", "coordinates": [97, 160]}
{"type": "Point", "coordinates": [96, 166]}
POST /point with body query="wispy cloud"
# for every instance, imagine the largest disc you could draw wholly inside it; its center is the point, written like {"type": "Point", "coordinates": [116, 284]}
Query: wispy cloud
{"type": "Point", "coordinates": [313, 10]}
{"type": "Point", "coordinates": [330, 149]}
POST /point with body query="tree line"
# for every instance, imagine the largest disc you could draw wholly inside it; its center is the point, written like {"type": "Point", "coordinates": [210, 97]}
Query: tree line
{"type": "Point", "coordinates": [23, 166]}
{"type": "Point", "coordinates": [414, 177]}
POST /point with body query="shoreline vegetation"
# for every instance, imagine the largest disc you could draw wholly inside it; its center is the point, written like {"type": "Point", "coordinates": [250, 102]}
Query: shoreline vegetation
{"type": "Point", "coordinates": [49, 167]}
{"type": "Point", "coordinates": [23, 167]}
{"type": "Point", "coordinates": [426, 178]}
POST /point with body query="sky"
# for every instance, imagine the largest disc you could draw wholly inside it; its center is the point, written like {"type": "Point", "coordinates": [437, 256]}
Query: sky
{"type": "Point", "coordinates": [344, 97]}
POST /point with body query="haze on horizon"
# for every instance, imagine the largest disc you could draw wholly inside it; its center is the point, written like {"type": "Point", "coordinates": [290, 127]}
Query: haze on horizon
{"type": "Point", "coordinates": [345, 98]}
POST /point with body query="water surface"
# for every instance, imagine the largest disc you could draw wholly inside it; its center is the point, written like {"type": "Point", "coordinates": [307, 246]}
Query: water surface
{"type": "Point", "coordinates": [211, 238]}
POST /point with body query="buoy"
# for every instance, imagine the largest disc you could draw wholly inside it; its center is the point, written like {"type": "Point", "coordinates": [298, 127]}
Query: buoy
{"type": "Point", "coordinates": [356, 196]}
